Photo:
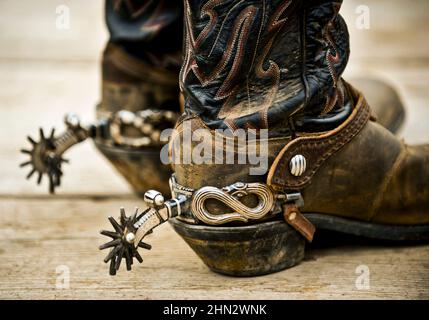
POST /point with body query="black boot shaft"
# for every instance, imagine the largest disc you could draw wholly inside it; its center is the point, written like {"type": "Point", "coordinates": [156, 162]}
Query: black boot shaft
{"type": "Point", "coordinates": [151, 30]}
{"type": "Point", "coordinates": [264, 64]}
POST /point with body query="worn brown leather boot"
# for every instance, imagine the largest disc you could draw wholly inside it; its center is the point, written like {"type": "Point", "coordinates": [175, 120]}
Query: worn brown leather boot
{"type": "Point", "coordinates": [282, 72]}
{"type": "Point", "coordinates": [140, 97]}
{"type": "Point", "coordinates": [275, 145]}
{"type": "Point", "coordinates": [140, 94]}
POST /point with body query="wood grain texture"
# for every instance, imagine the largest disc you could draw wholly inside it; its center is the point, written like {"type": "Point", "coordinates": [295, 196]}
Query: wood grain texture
{"type": "Point", "coordinates": [45, 72]}
{"type": "Point", "coordinates": [38, 235]}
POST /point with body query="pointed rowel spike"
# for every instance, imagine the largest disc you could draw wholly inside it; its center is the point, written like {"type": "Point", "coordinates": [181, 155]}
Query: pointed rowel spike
{"type": "Point", "coordinates": [39, 178]}
{"type": "Point", "coordinates": [109, 256]}
{"type": "Point", "coordinates": [119, 258]}
{"type": "Point", "coordinates": [25, 151]}
{"type": "Point", "coordinates": [123, 215]}
{"type": "Point", "coordinates": [42, 134]}
{"type": "Point", "coordinates": [57, 181]}
{"type": "Point", "coordinates": [145, 245]}
{"type": "Point", "coordinates": [51, 184]}
{"type": "Point", "coordinates": [110, 234]}
{"type": "Point", "coordinates": [112, 270]}
{"type": "Point", "coordinates": [52, 133]}
{"type": "Point", "coordinates": [112, 253]}
{"type": "Point", "coordinates": [110, 244]}
{"type": "Point", "coordinates": [128, 260]}
{"type": "Point", "coordinates": [116, 225]}
{"type": "Point", "coordinates": [138, 257]}
{"type": "Point", "coordinates": [130, 252]}
{"type": "Point", "coordinates": [24, 164]}
{"type": "Point", "coordinates": [30, 139]}
{"type": "Point", "coordinates": [134, 216]}
{"type": "Point", "coordinates": [31, 173]}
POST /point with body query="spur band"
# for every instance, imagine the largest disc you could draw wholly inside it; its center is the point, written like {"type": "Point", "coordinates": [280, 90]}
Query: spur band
{"type": "Point", "coordinates": [269, 203]}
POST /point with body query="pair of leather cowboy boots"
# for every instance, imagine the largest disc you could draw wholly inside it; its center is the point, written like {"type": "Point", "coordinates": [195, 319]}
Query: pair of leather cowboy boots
{"type": "Point", "coordinates": [271, 70]}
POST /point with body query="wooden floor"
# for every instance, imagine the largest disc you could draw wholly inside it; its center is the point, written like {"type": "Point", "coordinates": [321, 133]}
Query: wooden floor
{"type": "Point", "coordinates": [45, 72]}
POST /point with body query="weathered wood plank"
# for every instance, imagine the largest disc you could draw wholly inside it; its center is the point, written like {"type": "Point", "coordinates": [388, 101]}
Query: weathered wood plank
{"type": "Point", "coordinates": [38, 235]}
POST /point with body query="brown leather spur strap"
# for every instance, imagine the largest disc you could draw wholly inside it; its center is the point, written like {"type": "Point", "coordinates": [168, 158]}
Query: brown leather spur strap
{"type": "Point", "coordinates": [301, 158]}
{"type": "Point", "coordinates": [315, 150]}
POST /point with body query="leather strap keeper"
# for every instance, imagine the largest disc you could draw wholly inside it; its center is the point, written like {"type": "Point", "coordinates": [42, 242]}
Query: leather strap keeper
{"type": "Point", "coordinates": [296, 219]}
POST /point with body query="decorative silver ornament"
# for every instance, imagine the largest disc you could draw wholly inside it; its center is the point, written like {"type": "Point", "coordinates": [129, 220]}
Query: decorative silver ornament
{"type": "Point", "coordinates": [230, 196]}
{"type": "Point", "coordinates": [153, 198]}
{"type": "Point", "coordinates": [297, 165]}
{"type": "Point", "coordinates": [130, 237]}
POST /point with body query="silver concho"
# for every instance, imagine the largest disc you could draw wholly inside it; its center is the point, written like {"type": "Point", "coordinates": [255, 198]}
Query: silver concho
{"type": "Point", "coordinates": [297, 165]}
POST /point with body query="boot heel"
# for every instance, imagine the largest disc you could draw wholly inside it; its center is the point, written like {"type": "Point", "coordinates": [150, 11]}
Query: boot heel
{"type": "Point", "coordinates": [245, 250]}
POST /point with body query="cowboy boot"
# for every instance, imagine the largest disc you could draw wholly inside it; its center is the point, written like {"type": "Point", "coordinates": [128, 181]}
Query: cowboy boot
{"type": "Point", "coordinates": [273, 70]}
{"type": "Point", "coordinates": [140, 97]}
{"type": "Point", "coordinates": [352, 175]}
{"type": "Point", "coordinates": [385, 102]}
{"type": "Point", "coordinates": [140, 77]}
